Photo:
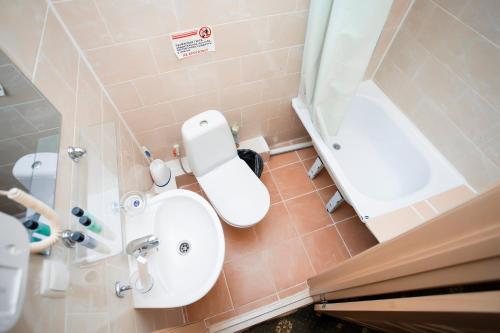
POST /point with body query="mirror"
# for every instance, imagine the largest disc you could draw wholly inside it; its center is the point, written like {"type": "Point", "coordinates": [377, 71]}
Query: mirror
{"type": "Point", "coordinates": [30, 128]}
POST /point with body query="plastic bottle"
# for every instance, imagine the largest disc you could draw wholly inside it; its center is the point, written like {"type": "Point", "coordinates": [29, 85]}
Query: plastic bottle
{"type": "Point", "coordinates": [90, 224]}
{"type": "Point", "coordinates": [86, 219]}
{"type": "Point", "coordinates": [88, 242]}
{"type": "Point", "coordinates": [38, 227]}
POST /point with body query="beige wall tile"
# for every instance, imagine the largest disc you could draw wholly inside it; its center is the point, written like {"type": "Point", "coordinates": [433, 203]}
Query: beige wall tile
{"type": "Point", "coordinates": [465, 51]}
{"type": "Point", "coordinates": [150, 117]}
{"type": "Point", "coordinates": [482, 15]}
{"type": "Point", "coordinates": [192, 13]}
{"type": "Point", "coordinates": [455, 7]}
{"type": "Point", "coordinates": [451, 198]}
{"type": "Point", "coordinates": [215, 75]}
{"type": "Point", "coordinates": [88, 108]}
{"type": "Point", "coordinates": [253, 8]}
{"type": "Point", "coordinates": [164, 87]}
{"type": "Point", "coordinates": [88, 290]}
{"type": "Point", "coordinates": [419, 15]}
{"type": "Point", "coordinates": [264, 65]}
{"type": "Point", "coordinates": [85, 23]}
{"type": "Point", "coordinates": [406, 53]}
{"type": "Point", "coordinates": [382, 44]}
{"type": "Point", "coordinates": [121, 314]}
{"type": "Point", "coordinates": [22, 21]}
{"type": "Point", "coordinates": [455, 146]}
{"type": "Point", "coordinates": [435, 72]}
{"type": "Point", "coordinates": [161, 140]}
{"type": "Point", "coordinates": [122, 62]}
{"type": "Point", "coordinates": [284, 86]}
{"type": "Point", "coordinates": [188, 107]}
{"type": "Point", "coordinates": [425, 210]}
{"type": "Point", "coordinates": [57, 91]}
{"type": "Point", "coordinates": [83, 323]}
{"type": "Point", "coordinates": [302, 4]}
{"type": "Point", "coordinates": [230, 44]}
{"type": "Point", "coordinates": [241, 95]}
{"type": "Point", "coordinates": [491, 147]}
{"type": "Point", "coordinates": [390, 225]}
{"type": "Point", "coordinates": [294, 62]}
{"type": "Point", "coordinates": [260, 112]}
{"type": "Point", "coordinates": [397, 13]}
{"type": "Point", "coordinates": [57, 48]}
{"type": "Point", "coordinates": [130, 19]}
{"type": "Point", "coordinates": [125, 96]}
{"type": "Point", "coordinates": [287, 29]}
{"type": "Point", "coordinates": [233, 117]}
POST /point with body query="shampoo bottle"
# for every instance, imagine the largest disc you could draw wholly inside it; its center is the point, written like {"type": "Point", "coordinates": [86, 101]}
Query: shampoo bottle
{"type": "Point", "coordinates": [88, 242]}
{"type": "Point", "coordinates": [38, 227]}
{"type": "Point", "coordinates": [87, 220]}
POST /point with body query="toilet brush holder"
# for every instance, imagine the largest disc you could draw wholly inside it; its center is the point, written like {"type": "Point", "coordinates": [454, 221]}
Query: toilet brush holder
{"type": "Point", "coordinates": [160, 173]}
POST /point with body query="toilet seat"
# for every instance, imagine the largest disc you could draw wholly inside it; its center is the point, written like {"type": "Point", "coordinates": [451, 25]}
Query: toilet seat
{"type": "Point", "coordinates": [236, 193]}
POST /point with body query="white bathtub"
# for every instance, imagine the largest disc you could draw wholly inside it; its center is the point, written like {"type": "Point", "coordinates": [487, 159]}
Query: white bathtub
{"type": "Point", "coordinates": [384, 161]}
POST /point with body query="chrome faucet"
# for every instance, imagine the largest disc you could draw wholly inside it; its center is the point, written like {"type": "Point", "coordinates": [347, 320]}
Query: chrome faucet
{"type": "Point", "coordinates": [140, 247]}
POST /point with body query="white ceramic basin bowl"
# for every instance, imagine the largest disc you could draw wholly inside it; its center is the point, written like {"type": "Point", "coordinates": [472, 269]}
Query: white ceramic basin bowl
{"type": "Point", "coordinates": [180, 219]}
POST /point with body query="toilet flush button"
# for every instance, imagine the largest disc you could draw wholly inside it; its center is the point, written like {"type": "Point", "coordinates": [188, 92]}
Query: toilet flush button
{"type": "Point", "coordinates": [203, 123]}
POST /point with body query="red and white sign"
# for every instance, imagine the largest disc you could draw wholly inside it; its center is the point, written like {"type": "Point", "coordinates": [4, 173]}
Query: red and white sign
{"type": "Point", "coordinates": [191, 42]}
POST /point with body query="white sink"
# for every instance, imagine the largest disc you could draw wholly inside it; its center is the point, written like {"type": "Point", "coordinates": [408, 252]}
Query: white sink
{"type": "Point", "coordinates": [180, 219]}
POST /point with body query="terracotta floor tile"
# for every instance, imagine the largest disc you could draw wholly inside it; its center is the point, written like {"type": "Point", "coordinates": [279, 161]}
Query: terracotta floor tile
{"type": "Point", "coordinates": [216, 301]}
{"type": "Point", "coordinates": [293, 290]}
{"type": "Point", "coordinates": [356, 235]}
{"type": "Point", "coordinates": [292, 180]}
{"type": "Point", "coordinates": [192, 187]}
{"type": "Point", "coordinates": [185, 179]}
{"type": "Point", "coordinates": [327, 193]}
{"type": "Point", "coordinates": [275, 227]}
{"type": "Point", "coordinates": [239, 241]}
{"type": "Point", "coordinates": [243, 309]}
{"type": "Point", "coordinates": [325, 248]}
{"type": "Point", "coordinates": [308, 213]}
{"type": "Point", "coordinates": [343, 212]}
{"type": "Point", "coordinates": [267, 179]}
{"type": "Point", "coordinates": [277, 161]}
{"type": "Point", "coordinates": [289, 264]}
{"type": "Point", "coordinates": [248, 279]}
{"type": "Point", "coordinates": [307, 153]}
{"type": "Point", "coordinates": [323, 179]}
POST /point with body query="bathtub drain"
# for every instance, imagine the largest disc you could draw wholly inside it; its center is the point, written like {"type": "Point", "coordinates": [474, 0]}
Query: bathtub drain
{"type": "Point", "coordinates": [336, 146]}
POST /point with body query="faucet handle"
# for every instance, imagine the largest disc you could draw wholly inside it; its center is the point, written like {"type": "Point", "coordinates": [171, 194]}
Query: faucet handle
{"type": "Point", "coordinates": [142, 245]}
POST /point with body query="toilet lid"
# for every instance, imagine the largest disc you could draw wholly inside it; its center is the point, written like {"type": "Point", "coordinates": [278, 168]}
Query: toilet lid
{"type": "Point", "coordinates": [239, 197]}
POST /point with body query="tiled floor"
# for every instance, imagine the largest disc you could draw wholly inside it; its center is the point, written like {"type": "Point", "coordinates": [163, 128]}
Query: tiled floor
{"type": "Point", "coordinates": [296, 240]}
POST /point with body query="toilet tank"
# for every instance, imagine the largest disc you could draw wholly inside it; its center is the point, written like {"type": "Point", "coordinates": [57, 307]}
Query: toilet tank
{"type": "Point", "coordinates": [208, 141]}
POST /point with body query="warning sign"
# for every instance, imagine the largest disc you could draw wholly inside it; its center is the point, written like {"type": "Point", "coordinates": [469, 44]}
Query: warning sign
{"type": "Point", "coordinates": [191, 42]}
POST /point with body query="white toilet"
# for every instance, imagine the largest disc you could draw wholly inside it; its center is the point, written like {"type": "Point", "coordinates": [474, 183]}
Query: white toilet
{"type": "Point", "coordinates": [237, 194]}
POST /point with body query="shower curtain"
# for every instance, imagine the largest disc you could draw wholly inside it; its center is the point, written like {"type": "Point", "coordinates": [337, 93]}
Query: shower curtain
{"type": "Point", "coordinates": [340, 39]}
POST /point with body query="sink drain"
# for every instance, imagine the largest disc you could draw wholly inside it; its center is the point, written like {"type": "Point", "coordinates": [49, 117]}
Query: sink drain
{"type": "Point", "coordinates": [336, 146]}
{"type": "Point", "coordinates": [184, 247]}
